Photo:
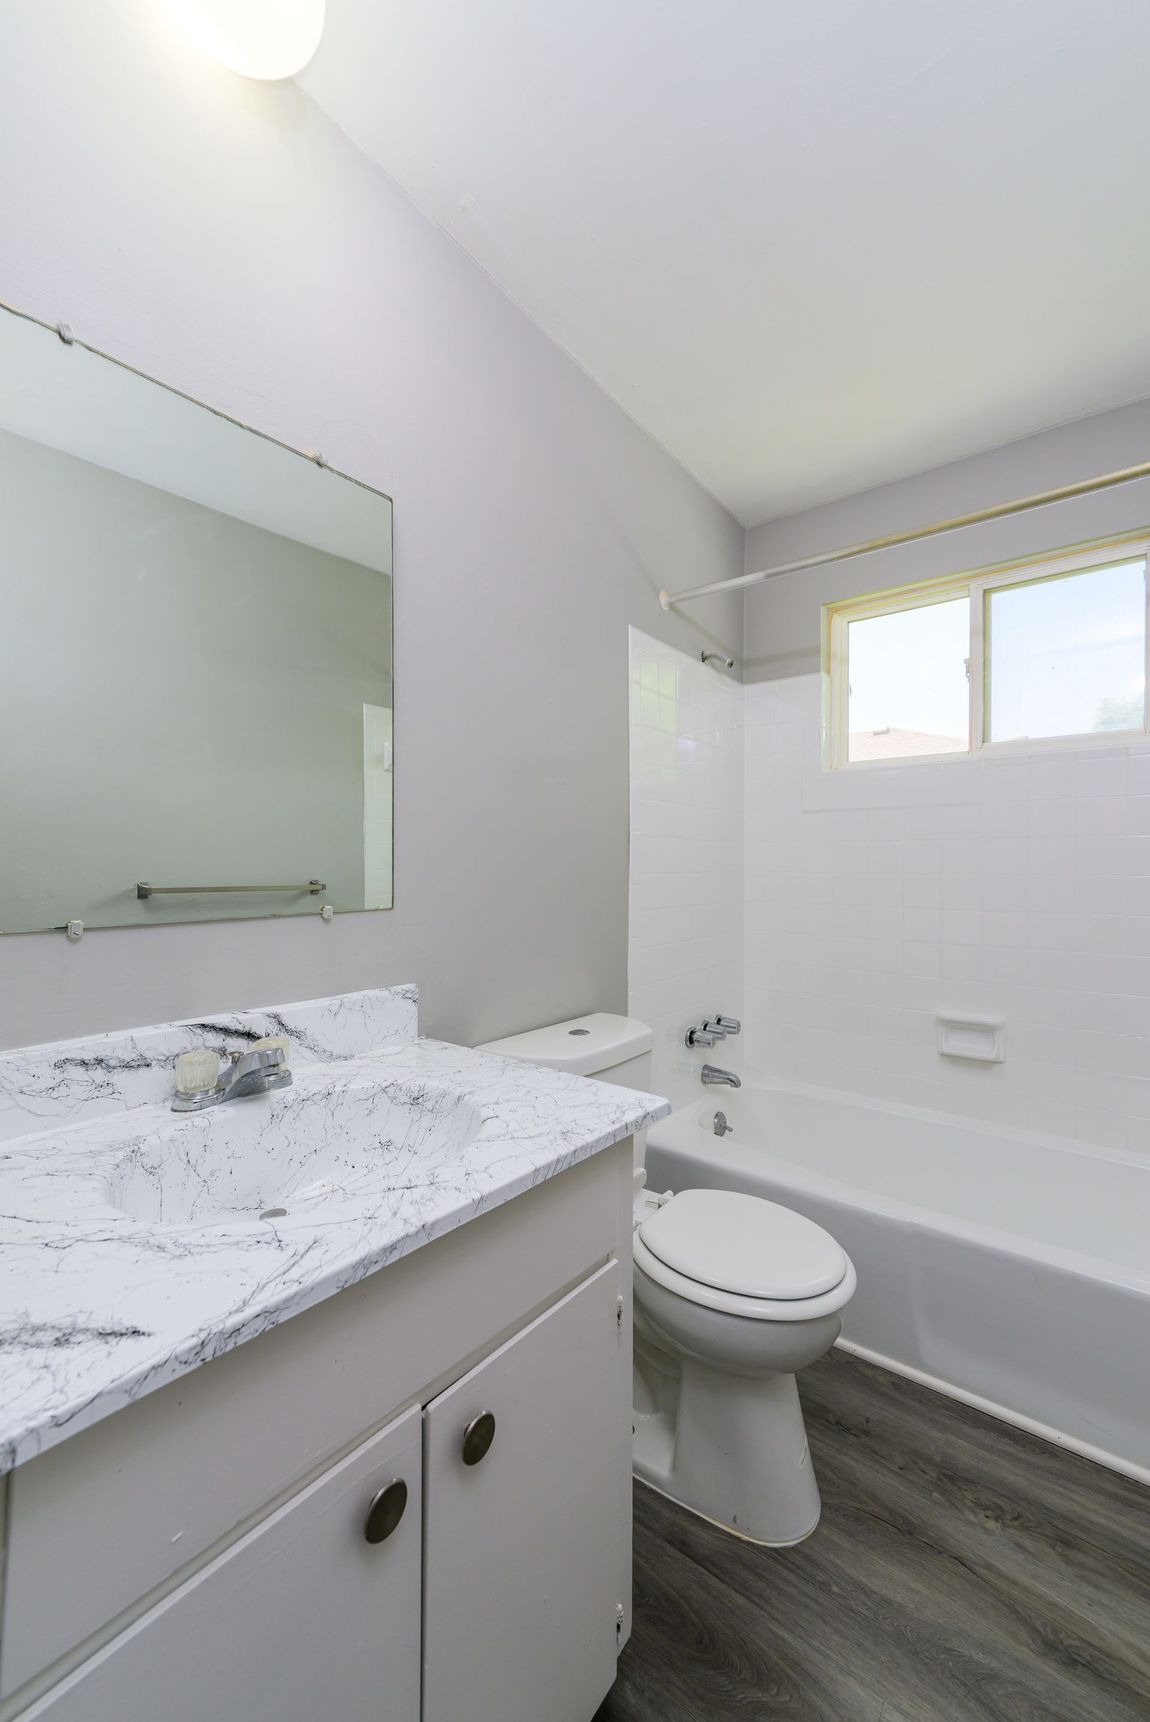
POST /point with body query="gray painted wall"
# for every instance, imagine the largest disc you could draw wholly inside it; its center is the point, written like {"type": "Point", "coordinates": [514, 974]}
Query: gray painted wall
{"type": "Point", "coordinates": [782, 615]}
{"type": "Point", "coordinates": [224, 236]}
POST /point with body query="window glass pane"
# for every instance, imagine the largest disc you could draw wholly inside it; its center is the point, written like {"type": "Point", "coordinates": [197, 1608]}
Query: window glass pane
{"type": "Point", "coordinates": [1067, 656]}
{"type": "Point", "coordinates": [909, 693]}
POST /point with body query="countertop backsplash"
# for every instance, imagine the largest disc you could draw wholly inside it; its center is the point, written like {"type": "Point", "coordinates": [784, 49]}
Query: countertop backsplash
{"type": "Point", "coordinates": [67, 1081]}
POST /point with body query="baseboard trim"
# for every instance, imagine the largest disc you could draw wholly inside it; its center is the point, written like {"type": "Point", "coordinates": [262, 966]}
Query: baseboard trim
{"type": "Point", "coordinates": [1044, 1431]}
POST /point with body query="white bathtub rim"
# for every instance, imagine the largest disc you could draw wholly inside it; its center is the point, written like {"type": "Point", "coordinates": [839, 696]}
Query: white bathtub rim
{"type": "Point", "coordinates": [794, 1177]}
{"type": "Point", "coordinates": [758, 1080]}
{"type": "Point", "coordinates": [1003, 1413]}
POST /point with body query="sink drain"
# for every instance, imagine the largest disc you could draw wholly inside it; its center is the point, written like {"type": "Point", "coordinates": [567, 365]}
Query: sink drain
{"type": "Point", "coordinates": [273, 1213]}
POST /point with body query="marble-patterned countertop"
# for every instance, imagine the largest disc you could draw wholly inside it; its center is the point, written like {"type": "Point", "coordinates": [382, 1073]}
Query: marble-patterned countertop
{"type": "Point", "coordinates": [98, 1309]}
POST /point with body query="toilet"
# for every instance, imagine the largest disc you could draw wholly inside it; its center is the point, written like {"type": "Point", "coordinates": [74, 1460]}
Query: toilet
{"type": "Point", "coordinates": [733, 1295]}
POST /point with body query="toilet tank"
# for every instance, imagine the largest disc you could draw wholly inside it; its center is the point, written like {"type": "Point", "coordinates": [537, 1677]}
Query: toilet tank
{"type": "Point", "coordinates": [610, 1048]}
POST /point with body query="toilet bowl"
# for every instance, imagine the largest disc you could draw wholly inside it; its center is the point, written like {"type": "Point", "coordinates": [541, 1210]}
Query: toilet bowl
{"type": "Point", "coordinates": [733, 1295]}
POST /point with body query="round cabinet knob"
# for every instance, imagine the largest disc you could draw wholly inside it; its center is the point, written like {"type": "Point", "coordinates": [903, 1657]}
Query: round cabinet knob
{"type": "Point", "coordinates": [477, 1438]}
{"type": "Point", "coordinates": [386, 1509]}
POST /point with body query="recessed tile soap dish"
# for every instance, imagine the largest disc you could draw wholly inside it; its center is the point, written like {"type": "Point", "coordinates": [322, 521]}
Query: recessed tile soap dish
{"type": "Point", "coordinates": [978, 1038]}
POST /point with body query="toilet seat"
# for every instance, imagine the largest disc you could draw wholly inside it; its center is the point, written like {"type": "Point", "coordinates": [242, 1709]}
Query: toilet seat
{"type": "Point", "coordinates": [743, 1255]}
{"type": "Point", "coordinates": [744, 1244]}
{"type": "Point", "coordinates": [731, 1303]}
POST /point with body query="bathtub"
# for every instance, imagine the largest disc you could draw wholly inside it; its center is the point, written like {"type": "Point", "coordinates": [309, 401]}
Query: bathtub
{"type": "Point", "coordinates": [1007, 1269]}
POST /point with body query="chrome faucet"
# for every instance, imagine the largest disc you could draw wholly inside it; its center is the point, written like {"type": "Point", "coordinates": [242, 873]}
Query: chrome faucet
{"type": "Point", "coordinates": [255, 1072]}
{"type": "Point", "coordinates": [711, 1029]}
{"type": "Point", "coordinates": [703, 1035]}
{"type": "Point", "coordinates": [716, 1078]}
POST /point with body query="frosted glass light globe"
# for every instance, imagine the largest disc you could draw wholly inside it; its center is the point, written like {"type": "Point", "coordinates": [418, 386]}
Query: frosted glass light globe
{"type": "Point", "coordinates": [258, 38]}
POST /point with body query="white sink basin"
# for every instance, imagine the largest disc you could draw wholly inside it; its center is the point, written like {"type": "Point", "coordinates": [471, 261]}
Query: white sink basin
{"type": "Point", "coordinates": [297, 1152]}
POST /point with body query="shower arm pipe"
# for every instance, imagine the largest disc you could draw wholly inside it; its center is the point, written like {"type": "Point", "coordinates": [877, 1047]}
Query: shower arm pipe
{"type": "Point", "coordinates": [914, 534]}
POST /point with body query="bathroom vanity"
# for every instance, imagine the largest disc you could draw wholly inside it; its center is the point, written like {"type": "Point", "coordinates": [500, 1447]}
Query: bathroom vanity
{"type": "Point", "coordinates": [356, 1359]}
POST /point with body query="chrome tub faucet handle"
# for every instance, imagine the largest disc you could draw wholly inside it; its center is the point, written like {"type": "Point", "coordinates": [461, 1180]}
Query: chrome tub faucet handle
{"type": "Point", "coordinates": [705, 1035]}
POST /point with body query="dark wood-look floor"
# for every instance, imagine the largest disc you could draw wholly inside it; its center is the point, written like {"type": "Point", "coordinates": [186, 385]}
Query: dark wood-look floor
{"type": "Point", "coordinates": [962, 1572]}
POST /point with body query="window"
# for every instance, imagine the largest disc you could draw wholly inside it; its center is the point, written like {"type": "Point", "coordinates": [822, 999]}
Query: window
{"type": "Point", "coordinates": [1000, 660]}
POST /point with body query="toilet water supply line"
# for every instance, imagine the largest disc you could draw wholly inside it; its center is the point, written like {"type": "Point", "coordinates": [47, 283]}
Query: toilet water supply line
{"type": "Point", "coordinates": [914, 534]}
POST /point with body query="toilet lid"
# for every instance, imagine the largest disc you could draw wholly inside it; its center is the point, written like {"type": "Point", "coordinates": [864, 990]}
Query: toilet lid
{"type": "Point", "coordinates": [743, 1244]}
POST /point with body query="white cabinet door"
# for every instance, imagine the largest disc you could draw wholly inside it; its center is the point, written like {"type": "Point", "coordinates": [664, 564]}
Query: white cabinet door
{"type": "Point", "coordinates": [527, 1550]}
{"type": "Point", "coordinates": [302, 1620]}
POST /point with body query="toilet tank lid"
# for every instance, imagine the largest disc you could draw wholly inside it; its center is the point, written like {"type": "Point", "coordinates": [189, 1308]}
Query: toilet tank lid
{"type": "Point", "coordinates": [584, 1045]}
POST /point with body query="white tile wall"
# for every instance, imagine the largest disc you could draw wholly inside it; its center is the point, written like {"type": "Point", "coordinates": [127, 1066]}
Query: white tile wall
{"type": "Point", "coordinates": [686, 903]}
{"type": "Point", "coordinates": [837, 913]}
{"type": "Point", "coordinates": [1016, 887]}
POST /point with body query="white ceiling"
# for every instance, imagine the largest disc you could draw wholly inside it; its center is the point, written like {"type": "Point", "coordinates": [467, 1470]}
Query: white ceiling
{"type": "Point", "coordinates": [811, 245]}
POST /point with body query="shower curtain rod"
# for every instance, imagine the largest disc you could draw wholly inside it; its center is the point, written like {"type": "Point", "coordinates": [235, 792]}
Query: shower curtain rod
{"type": "Point", "coordinates": [913, 534]}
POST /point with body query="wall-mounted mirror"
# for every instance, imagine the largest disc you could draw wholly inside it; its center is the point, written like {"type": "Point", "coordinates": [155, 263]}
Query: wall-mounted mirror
{"type": "Point", "coordinates": [195, 658]}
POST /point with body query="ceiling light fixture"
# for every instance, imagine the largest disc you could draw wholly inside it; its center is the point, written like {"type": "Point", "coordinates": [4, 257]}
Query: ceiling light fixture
{"type": "Point", "coordinates": [259, 38]}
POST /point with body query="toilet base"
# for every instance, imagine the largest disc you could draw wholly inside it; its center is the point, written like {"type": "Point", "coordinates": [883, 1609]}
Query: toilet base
{"type": "Point", "coordinates": [719, 1525]}
{"type": "Point", "coordinates": [733, 1449]}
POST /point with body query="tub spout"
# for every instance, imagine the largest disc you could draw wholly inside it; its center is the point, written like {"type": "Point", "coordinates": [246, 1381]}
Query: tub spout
{"type": "Point", "coordinates": [716, 1078]}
